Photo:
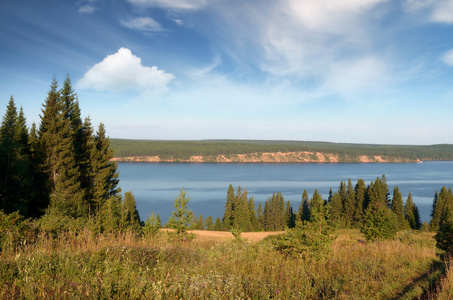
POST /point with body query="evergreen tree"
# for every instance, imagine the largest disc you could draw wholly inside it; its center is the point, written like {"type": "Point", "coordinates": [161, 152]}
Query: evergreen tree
{"type": "Point", "coordinates": [130, 218]}
{"type": "Point", "coordinates": [398, 208]}
{"type": "Point", "coordinates": [316, 206]}
{"type": "Point", "coordinates": [438, 209]}
{"type": "Point", "coordinates": [57, 147]}
{"type": "Point", "coordinates": [200, 223]}
{"type": "Point", "coordinates": [12, 168]}
{"type": "Point", "coordinates": [379, 222]}
{"type": "Point", "coordinates": [260, 217]}
{"type": "Point", "coordinates": [209, 223]}
{"type": "Point", "coordinates": [111, 217]}
{"type": "Point", "coordinates": [348, 205]}
{"type": "Point", "coordinates": [336, 207]}
{"type": "Point", "coordinates": [104, 172]}
{"type": "Point", "coordinates": [181, 217]}
{"type": "Point", "coordinates": [444, 235]}
{"type": "Point", "coordinates": [218, 224]}
{"type": "Point", "coordinates": [253, 216]}
{"type": "Point", "coordinates": [228, 217]}
{"type": "Point", "coordinates": [290, 219]}
{"type": "Point", "coordinates": [360, 194]}
{"type": "Point", "coordinates": [305, 207]}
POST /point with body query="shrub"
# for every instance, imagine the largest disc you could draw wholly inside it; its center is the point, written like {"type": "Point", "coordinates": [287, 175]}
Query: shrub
{"type": "Point", "coordinates": [14, 230]}
{"type": "Point", "coordinates": [308, 240]}
{"type": "Point", "coordinates": [152, 227]}
{"type": "Point", "coordinates": [380, 223]}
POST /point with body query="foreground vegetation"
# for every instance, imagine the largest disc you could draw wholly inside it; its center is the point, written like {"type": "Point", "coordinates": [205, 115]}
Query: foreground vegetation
{"type": "Point", "coordinates": [126, 266]}
{"type": "Point", "coordinates": [209, 149]}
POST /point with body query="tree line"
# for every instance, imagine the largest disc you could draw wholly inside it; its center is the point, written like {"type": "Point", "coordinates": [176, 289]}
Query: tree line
{"type": "Point", "coordinates": [60, 170]}
{"type": "Point", "coordinates": [183, 150]}
{"type": "Point", "coordinates": [350, 207]}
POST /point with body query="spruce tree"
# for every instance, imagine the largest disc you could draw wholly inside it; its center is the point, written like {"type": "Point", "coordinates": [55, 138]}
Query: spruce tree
{"type": "Point", "coordinates": [181, 217]}
{"type": "Point", "coordinates": [218, 224]}
{"type": "Point", "coordinates": [57, 146]}
{"type": "Point", "coordinates": [360, 194]}
{"type": "Point", "coordinates": [438, 208]}
{"type": "Point", "coordinates": [336, 207]}
{"type": "Point", "coordinates": [104, 171]}
{"type": "Point", "coordinates": [200, 223]}
{"type": "Point", "coordinates": [130, 219]}
{"type": "Point", "coordinates": [348, 206]}
{"type": "Point", "coordinates": [398, 208]}
{"type": "Point", "coordinates": [228, 217]}
{"type": "Point", "coordinates": [209, 224]}
{"type": "Point", "coordinates": [306, 207]}
{"type": "Point", "coordinates": [14, 179]}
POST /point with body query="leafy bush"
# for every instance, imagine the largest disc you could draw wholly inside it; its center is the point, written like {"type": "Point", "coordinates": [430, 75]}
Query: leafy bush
{"type": "Point", "coordinates": [14, 230]}
{"type": "Point", "coordinates": [308, 240]}
{"type": "Point", "coordinates": [152, 227]}
{"type": "Point", "coordinates": [380, 223]}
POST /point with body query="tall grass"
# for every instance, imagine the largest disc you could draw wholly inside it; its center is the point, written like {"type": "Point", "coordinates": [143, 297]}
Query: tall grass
{"type": "Point", "coordinates": [83, 265]}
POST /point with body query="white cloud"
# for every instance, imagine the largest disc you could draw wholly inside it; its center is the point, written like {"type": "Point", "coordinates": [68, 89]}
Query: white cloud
{"type": "Point", "coordinates": [144, 23]}
{"type": "Point", "coordinates": [443, 12]}
{"type": "Point", "coordinates": [327, 15]}
{"type": "Point", "coordinates": [447, 58]}
{"type": "Point", "coordinates": [122, 71]}
{"type": "Point", "coordinates": [172, 4]}
{"type": "Point", "coordinates": [87, 9]}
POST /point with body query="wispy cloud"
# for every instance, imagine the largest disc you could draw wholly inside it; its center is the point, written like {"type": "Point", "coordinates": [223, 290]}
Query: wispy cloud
{"type": "Point", "coordinates": [87, 9]}
{"type": "Point", "coordinates": [443, 12]}
{"type": "Point", "coordinates": [447, 58]}
{"type": "Point", "coordinates": [171, 4]}
{"type": "Point", "coordinates": [143, 23]}
{"type": "Point", "coordinates": [124, 71]}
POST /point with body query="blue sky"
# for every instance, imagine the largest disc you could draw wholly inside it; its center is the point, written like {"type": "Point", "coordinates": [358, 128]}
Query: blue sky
{"type": "Point", "coordinates": [358, 71]}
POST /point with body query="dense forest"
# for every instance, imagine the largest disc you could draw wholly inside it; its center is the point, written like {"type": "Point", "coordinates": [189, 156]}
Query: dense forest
{"type": "Point", "coordinates": [60, 170]}
{"type": "Point", "coordinates": [183, 150]}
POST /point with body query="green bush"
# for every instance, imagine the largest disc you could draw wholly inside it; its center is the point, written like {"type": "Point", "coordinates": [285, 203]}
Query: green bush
{"type": "Point", "coordinates": [380, 223]}
{"type": "Point", "coordinates": [14, 230]}
{"type": "Point", "coordinates": [306, 241]}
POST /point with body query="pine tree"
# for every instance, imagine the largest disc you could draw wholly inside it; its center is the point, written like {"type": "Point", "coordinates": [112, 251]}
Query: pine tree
{"type": "Point", "coordinates": [228, 217]}
{"type": "Point", "coordinates": [14, 179]}
{"type": "Point", "coordinates": [260, 217]}
{"type": "Point", "coordinates": [209, 223]}
{"type": "Point", "coordinates": [218, 224]}
{"type": "Point", "coordinates": [200, 223]}
{"type": "Point", "coordinates": [398, 208]}
{"type": "Point", "coordinates": [444, 235]}
{"type": "Point", "coordinates": [438, 208]}
{"type": "Point", "coordinates": [336, 207]}
{"type": "Point", "coordinates": [181, 217]}
{"type": "Point", "coordinates": [290, 219]}
{"type": "Point", "coordinates": [306, 207]}
{"type": "Point", "coordinates": [348, 205]}
{"type": "Point", "coordinates": [57, 147]}
{"type": "Point", "coordinates": [104, 171]}
{"type": "Point", "coordinates": [360, 194]}
{"type": "Point", "coordinates": [253, 216]}
{"type": "Point", "coordinates": [130, 219]}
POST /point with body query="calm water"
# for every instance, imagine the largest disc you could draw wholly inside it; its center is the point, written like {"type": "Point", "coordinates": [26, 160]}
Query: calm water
{"type": "Point", "coordinates": [155, 186]}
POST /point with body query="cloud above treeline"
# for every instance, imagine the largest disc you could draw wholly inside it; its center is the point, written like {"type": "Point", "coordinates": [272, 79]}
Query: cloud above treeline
{"type": "Point", "coordinates": [124, 71]}
{"type": "Point", "coordinates": [142, 23]}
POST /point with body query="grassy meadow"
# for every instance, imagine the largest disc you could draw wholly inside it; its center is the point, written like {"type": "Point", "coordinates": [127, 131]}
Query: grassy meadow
{"type": "Point", "coordinates": [216, 266]}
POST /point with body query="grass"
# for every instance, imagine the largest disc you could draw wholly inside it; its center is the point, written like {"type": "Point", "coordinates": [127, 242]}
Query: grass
{"type": "Point", "coordinates": [214, 266]}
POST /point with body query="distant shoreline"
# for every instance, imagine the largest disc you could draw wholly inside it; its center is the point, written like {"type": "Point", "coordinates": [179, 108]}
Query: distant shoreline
{"type": "Point", "coordinates": [271, 157]}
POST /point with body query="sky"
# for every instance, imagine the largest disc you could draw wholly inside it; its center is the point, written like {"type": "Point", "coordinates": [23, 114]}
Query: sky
{"type": "Point", "coordinates": [349, 71]}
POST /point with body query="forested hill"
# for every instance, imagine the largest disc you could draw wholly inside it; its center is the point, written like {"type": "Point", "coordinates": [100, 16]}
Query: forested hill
{"type": "Point", "coordinates": [273, 151]}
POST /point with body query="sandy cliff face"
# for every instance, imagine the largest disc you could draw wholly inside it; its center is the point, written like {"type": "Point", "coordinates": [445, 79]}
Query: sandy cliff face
{"type": "Point", "coordinates": [277, 157]}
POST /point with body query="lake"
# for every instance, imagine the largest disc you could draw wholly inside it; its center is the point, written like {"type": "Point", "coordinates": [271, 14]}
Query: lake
{"type": "Point", "coordinates": [156, 185]}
